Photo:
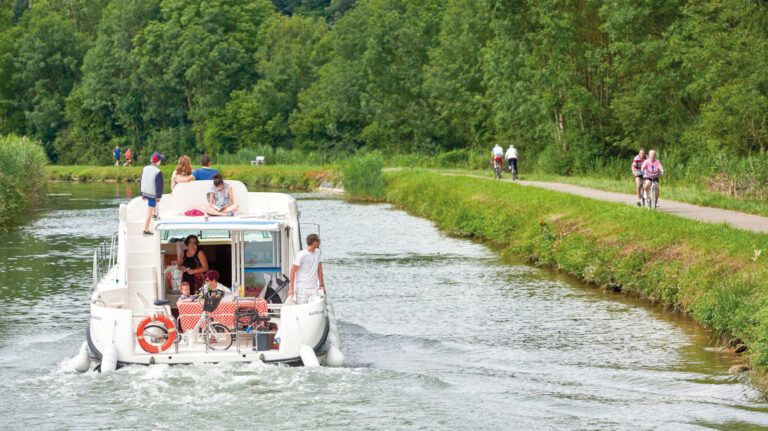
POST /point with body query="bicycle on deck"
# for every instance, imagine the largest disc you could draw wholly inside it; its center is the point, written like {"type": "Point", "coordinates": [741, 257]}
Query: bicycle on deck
{"type": "Point", "coordinates": [215, 336]}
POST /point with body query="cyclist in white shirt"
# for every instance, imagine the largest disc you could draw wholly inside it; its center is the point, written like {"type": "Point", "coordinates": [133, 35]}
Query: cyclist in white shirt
{"type": "Point", "coordinates": [511, 157]}
{"type": "Point", "coordinates": [498, 154]}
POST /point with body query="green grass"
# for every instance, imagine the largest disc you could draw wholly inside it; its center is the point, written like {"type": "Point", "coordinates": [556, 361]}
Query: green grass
{"type": "Point", "coordinates": [22, 177]}
{"type": "Point", "coordinates": [362, 177]}
{"type": "Point", "coordinates": [274, 176]}
{"type": "Point", "coordinates": [712, 272]}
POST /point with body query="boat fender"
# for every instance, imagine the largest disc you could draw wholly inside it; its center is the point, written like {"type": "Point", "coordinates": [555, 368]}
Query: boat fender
{"type": "Point", "coordinates": [333, 340]}
{"type": "Point", "coordinates": [308, 356]}
{"type": "Point", "coordinates": [81, 362]}
{"type": "Point", "coordinates": [109, 358]}
{"type": "Point", "coordinates": [334, 357]}
{"type": "Point", "coordinates": [171, 333]}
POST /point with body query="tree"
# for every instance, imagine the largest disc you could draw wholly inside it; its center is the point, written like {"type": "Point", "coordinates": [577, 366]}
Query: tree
{"type": "Point", "coordinates": [47, 63]}
{"type": "Point", "coordinates": [286, 66]}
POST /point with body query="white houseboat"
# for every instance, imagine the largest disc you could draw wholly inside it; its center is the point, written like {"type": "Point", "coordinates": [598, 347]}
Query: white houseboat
{"type": "Point", "coordinates": [137, 316]}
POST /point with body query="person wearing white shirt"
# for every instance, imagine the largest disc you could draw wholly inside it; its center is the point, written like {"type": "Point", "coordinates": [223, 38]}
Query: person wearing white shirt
{"type": "Point", "coordinates": [511, 157]}
{"type": "Point", "coordinates": [307, 272]}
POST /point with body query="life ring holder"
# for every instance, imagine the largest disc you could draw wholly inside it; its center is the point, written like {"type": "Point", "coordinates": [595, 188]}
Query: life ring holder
{"type": "Point", "coordinates": [171, 333]}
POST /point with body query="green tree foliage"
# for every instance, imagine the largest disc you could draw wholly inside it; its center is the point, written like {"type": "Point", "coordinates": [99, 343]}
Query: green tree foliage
{"type": "Point", "coordinates": [286, 65]}
{"type": "Point", "coordinates": [573, 83]}
{"type": "Point", "coordinates": [47, 59]}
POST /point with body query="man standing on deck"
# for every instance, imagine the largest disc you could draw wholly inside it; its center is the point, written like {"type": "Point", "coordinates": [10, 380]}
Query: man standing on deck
{"type": "Point", "coordinates": [116, 152]}
{"type": "Point", "coordinates": [307, 272]}
{"type": "Point", "coordinates": [204, 173]}
{"type": "Point", "coordinates": [151, 187]}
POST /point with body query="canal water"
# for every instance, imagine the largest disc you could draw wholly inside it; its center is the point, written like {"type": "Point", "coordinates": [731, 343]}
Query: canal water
{"type": "Point", "coordinates": [439, 333]}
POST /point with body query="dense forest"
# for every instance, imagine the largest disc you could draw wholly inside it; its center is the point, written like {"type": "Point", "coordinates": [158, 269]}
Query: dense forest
{"type": "Point", "coordinates": [570, 82]}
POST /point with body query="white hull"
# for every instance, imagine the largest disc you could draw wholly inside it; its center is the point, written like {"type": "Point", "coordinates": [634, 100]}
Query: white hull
{"type": "Point", "coordinates": [130, 283]}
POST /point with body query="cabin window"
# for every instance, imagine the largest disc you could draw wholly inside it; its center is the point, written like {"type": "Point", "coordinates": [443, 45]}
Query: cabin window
{"type": "Point", "coordinates": [261, 256]}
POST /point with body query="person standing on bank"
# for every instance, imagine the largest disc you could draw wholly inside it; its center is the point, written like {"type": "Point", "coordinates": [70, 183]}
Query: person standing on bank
{"type": "Point", "coordinates": [511, 157]}
{"type": "Point", "coordinates": [206, 172]}
{"type": "Point", "coordinates": [116, 152]}
{"type": "Point", "coordinates": [128, 156]}
{"type": "Point", "coordinates": [307, 272]}
{"type": "Point", "coordinates": [151, 187]}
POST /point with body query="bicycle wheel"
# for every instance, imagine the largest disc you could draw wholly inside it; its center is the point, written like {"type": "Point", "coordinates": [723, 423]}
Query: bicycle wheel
{"type": "Point", "coordinates": [655, 195]}
{"type": "Point", "coordinates": [155, 334]}
{"type": "Point", "coordinates": [219, 337]}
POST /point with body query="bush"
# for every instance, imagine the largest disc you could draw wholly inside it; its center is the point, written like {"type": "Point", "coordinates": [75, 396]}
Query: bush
{"type": "Point", "coordinates": [362, 177]}
{"type": "Point", "coordinates": [22, 176]}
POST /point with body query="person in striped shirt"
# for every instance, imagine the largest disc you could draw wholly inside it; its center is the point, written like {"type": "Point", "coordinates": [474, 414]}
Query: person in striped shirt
{"type": "Point", "coordinates": [637, 171]}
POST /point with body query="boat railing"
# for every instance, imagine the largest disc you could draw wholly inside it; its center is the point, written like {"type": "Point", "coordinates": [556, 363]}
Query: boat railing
{"type": "Point", "coordinates": [104, 258]}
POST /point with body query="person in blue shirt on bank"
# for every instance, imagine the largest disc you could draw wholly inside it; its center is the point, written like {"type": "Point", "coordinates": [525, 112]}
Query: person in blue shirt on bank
{"type": "Point", "coordinates": [204, 173]}
{"type": "Point", "coordinates": [116, 152]}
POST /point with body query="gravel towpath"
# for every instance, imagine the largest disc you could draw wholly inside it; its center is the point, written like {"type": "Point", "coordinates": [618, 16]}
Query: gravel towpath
{"type": "Point", "coordinates": [736, 219]}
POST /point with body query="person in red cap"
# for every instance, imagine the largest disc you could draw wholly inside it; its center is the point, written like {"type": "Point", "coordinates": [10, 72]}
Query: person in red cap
{"type": "Point", "coordinates": [151, 187]}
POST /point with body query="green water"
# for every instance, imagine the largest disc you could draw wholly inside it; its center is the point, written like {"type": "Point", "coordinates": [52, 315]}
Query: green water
{"type": "Point", "coordinates": [438, 333]}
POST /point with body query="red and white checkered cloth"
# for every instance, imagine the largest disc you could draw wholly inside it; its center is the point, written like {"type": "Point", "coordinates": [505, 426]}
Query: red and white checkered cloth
{"type": "Point", "coordinates": [190, 311]}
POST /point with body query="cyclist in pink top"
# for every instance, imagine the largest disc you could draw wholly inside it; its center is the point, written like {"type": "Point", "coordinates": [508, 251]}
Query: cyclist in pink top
{"type": "Point", "coordinates": [651, 170]}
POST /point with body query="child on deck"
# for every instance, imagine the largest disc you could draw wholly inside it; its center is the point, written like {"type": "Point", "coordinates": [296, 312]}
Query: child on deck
{"type": "Point", "coordinates": [220, 199]}
{"type": "Point", "coordinates": [185, 296]}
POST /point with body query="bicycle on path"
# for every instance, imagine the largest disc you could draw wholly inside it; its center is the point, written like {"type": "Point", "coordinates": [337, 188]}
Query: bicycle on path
{"type": "Point", "coordinates": [651, 197]}
{"type": "Point", "coordinates": [497, 166]}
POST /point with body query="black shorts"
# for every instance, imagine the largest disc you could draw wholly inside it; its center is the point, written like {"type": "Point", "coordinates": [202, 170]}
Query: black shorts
{"type": "Point", "coordinates": [639, 175]}
{"type": "Point", "coordinates": [653, 180]}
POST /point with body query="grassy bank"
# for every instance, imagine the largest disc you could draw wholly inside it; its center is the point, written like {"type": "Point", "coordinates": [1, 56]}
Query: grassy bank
{"type": "Point", "coordinates": [275, 176]}
{"type": "Point", "coordinates": [713, 272]}
{"type": "Point", "coordinates": [22, 177]}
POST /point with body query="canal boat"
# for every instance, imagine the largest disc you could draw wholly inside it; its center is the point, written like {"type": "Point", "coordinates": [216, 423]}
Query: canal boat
{"type": "Point", "coordinates": [138, 317]}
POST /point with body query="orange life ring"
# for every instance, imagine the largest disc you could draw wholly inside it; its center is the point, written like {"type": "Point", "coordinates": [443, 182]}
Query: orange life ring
{"type": "Point", "coordinates": [171, 333]}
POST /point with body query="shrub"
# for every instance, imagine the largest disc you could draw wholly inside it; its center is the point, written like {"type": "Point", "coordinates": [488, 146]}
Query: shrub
{"type": "Point", "coordinates": [362, 177]}
{"type": "Point", "coordinates": [22, 176]}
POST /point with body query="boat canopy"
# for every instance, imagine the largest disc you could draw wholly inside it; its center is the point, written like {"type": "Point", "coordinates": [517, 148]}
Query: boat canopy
{"type": "Point", "coordinates": [236, 225]}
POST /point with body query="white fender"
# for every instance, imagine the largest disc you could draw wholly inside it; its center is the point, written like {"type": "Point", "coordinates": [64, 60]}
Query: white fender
{"type": "Point", "coordinates": [109, 357]}
{"type": "Point", "coordinates": [81, 362]}
{"type": "Point", "coordinates": [308, 356]}
{"type": "Point", "coordinates": [333, 340]}
{"type": "Point", "coordinates": [334, 357]}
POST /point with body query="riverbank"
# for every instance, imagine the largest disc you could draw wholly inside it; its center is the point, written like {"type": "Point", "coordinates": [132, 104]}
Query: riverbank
{"type": "Point", "coordinates": [289, 177]}
{"type": "Point", "coordinates": [715, 273]}
{"type": "Point", "coordinates": [681, 191]}
{"type": "Point", "coordinates": [22, 179]}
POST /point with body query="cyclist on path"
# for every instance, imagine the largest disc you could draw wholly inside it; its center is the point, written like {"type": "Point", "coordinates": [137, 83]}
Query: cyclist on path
{"type": "Point", "coordinates": [498, 156]}
{"type": "Point", "coordinates": [651, 170]}
{"type": "Point", "coordinates": [511, 156]}
{"type": "Point", "coordinates": [637, 171]}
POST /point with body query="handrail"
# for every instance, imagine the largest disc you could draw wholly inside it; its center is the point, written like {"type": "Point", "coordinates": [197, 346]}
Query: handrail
{"type": "Point", "coordinates": [104, 258]}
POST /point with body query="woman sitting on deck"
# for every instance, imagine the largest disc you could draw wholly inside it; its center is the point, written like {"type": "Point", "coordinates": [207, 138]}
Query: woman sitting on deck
{"type": "Point", "coordinates": [220, 199]}
{"type": "Point", "coordinates": [183, 172]}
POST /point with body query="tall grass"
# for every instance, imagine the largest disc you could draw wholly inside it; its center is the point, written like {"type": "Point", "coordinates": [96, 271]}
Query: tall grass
{"type": "Point", "coordinates": [22, 176]}
{"type": "Point", "coordinates": [716, 273]}
{"type": "Point", "coordinates": [362, 177]}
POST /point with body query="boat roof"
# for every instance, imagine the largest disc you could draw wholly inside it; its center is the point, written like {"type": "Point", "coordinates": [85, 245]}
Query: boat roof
{"type": "Point", "coordinates": [258, 210]}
